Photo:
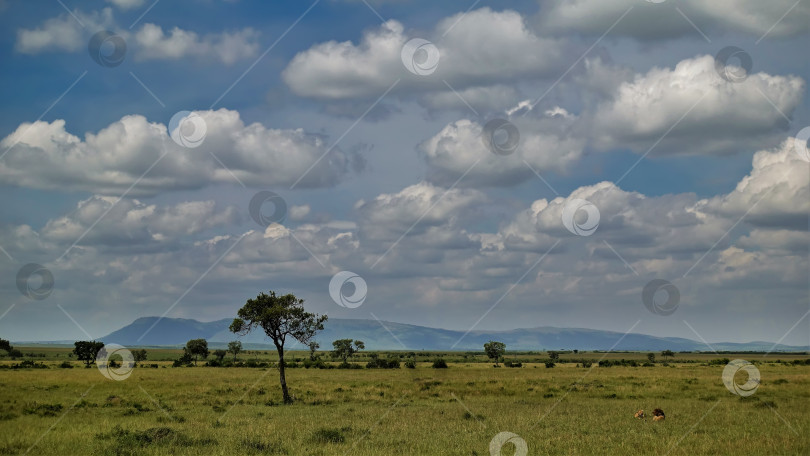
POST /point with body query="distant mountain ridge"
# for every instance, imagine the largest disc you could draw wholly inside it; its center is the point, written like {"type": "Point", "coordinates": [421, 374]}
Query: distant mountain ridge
{"type": "Point", "coordinates": [384, 335]}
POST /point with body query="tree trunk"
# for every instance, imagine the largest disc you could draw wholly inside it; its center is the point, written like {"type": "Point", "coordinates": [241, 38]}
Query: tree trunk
{"type": "Point", "coordinates": [283, 377]}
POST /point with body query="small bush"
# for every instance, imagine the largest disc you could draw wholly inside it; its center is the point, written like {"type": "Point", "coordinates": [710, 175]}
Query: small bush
{"type": "Point", "coordinates": [29, 364]}
{"type": "Point", "coordinates": [42, 409]}
{"type": "Point", "coordinates": [718, 362]}
{"type": "Point", "coordinates": [66, 365]}
{"type": "Point", "coordinates": [326, 435]}
{"type": "Point", "coordinates": [513, 364]}
{"type": "Point", "coordinates": [380, 363]}
{"type": "Point", "coordinates": [549, 364]}
{"type": "Point", "coordinates": [470, 416]}
{"type": "Point", "coordinates": [764, 404]}
{"type": "Point", "coordinates": [185, 360]}
{"type": "Point", "coordinates": [410, 364]}
{"type": "Point", "coordinates": [439, 364]}
{"type": "Point", "coordinates": [257, 446]}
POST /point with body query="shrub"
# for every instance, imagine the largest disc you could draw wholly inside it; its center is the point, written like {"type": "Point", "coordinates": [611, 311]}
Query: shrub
{"type": "Point", "coordinates": [325, 435]}
{"type": "Point", "coordinates": [513, 364]}
{"type": "Point", "coordinates": [42, 409]}
{"type": "Point", "coordinates": [410, 364]}
{"type": "Point", "coordinates": [718, 362]}
{"type": "Point", "coordinates": [184, 360]}
{"type": "Point", "coordinates": [29, 364]}
{"type": "Point", "coordinates": [586, 364]}
{"type": "Point", "coordinates": [66, 365]}
{"type": "Point", "coordinates": [549, 364]}
{"type": "Point", "coordinates": [257, 446]}
{"type": "Point", "coordinates": [317, 364]}
{"type": "Point", "coordinates": [380, 363]}
{"type": "Point", "coordinates": [440, 364]}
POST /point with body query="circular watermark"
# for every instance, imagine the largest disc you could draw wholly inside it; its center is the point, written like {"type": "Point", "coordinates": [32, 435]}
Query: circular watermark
{"type": "Point", "coordinates": [503, 438]}
{"type": "Point", "coordinates": [26, 281]}
{"type": "Point", "coordinates": [751, 384]}
{"type": "Point", "coordinates": [110, 369]}
{"type": "Point", "coordinates": [800, 144]}
{"type": "Point", "coordinates": [501, 136]}
{"type": "Point", "coordinates": [259, 200]}
{"type": "Point", "coordinates": [653, 288]}
{"type": "Point", "coordinates": [732, 72]}
{"type": "Point", "coordinates": [582, 227]}
{"type": "Point", "coordinates": [107, 49]}
{"type": "Point", "coordinates": [420, 56]}
{"type": "Point", "coordinates": [339, 281]}
{"type": "Point", "coordinates": [187, 129]}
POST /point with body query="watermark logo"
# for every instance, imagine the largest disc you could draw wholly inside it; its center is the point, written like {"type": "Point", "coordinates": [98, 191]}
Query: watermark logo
{"type": "Point", "coordinates": [800, 144]}
{"type": "Point", "coordinates": [582, 227]}
{"type": "Point", "coordinates": [28, 285]}
{"type": "Point", "coordinates": [657, 306]}
{"type": "Point", "coordinates": [107, 49]}
{"type": "Point", "coordinates": [111, 368]}
{"type": "Point", "coordinates": [341, 280]}
{"type": "Point", "coordinates": [504, 438]}
{"type": "Point", "coordinates": [187, 129]}
{"type": "Point", "coordinates": [751, 384]}
{"type": "Point", "coordinates": [262, 218]}
{"type": "Point", "coordinates": [500, 136]}
{"type": "Point", "coordinates": [420, 57]}
{"type": "Point", "coordinates": [731, 72]}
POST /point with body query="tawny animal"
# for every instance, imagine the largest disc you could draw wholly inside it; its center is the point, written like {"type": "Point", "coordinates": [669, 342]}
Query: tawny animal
{"type": "Point", "coordinates": [658, 415]}
{"type": "Point", "coordinates": [640, 415]}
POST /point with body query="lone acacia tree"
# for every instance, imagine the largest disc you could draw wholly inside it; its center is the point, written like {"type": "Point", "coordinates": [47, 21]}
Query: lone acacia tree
{"type": "Point", "coordinates": [345, 350]}
{"type": "Point", "coordinates": [313, 347]}
{"type": "Point", "coordinates": [494, 350]}
{"type": "Point", "coordinates": [279, 317]}
{"type": "Point", "coordinates": [196, 348]}
{"type": "Point", "coordinates": [234, 348]}
{"type": "Point", "coordinates": [87, 350]}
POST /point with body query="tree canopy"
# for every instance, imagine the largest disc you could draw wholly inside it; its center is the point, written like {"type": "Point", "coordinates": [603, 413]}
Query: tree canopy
{"type": "Point", "coordinates": [86, 350]}
{"type": "Point", "coordinates": [197, 348]}
{"type": "Point", "coordinates": [494, 350]}
{"type": "Point", "coordinates": [279, 317]}
{"type": "Point", "coordinates": [346, 348]}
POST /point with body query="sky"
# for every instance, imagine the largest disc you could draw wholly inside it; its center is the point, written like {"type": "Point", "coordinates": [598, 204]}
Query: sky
{"type": "Point", "coordinates": [634, 166]}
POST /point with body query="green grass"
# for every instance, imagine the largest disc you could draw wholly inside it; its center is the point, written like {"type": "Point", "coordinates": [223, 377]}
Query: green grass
{"type": "Point", "coordinates": [422, 411]}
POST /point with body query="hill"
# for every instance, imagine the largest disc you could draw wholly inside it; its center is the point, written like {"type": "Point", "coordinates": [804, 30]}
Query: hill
{"type": "Point", "coordinates": [399, 336]}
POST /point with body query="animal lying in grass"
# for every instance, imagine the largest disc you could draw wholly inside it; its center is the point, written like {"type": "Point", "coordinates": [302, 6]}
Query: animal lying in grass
{"type": "Point", "coordinates": [658, 415]}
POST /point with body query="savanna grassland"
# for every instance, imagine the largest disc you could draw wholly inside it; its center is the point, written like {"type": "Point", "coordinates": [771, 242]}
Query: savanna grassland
{"type": "Point", "coordinates": [567, 409]}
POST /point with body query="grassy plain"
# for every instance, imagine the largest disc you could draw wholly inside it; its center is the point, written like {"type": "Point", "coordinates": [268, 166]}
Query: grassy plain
{"type": "Point", "coordinates": [567, 409]}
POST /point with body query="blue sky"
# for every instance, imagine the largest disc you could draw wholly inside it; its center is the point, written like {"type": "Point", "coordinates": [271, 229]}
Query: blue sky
{"type": "Point", "coordinates": [697, 180]}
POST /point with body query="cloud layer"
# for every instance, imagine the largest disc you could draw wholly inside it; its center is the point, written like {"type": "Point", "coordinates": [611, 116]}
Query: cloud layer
{"type": "Point", "coordinates": [134, 152]}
